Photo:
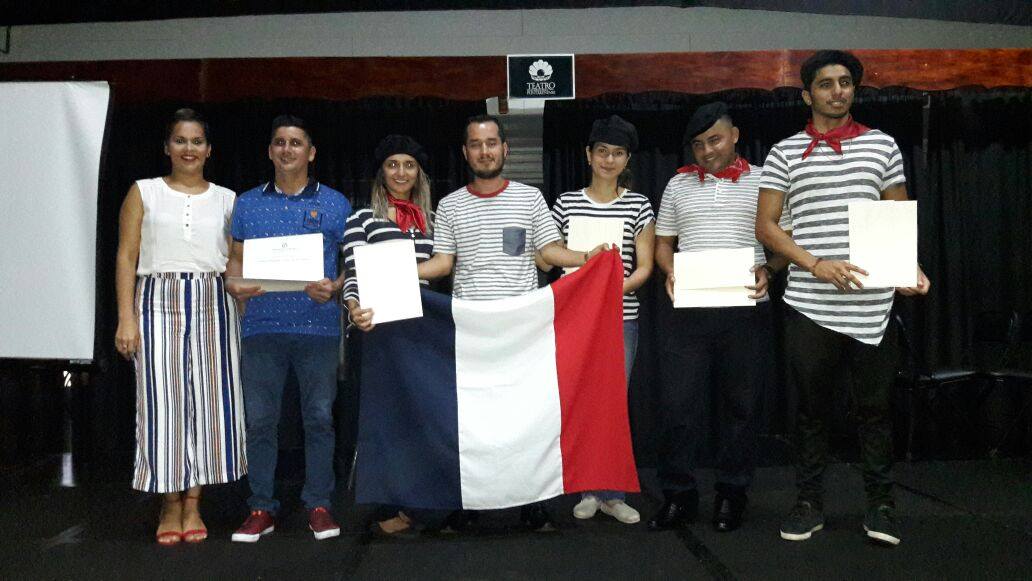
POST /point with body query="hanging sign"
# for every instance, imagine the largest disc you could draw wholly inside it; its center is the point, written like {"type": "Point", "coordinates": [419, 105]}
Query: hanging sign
{"type": "Point", "coordinates": [540, 76]}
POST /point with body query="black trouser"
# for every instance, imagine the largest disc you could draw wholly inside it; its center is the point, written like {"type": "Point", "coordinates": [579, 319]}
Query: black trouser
{"type": "Point", "coordinates": [715, 355]}
{"type": "Point", "coordinates": [816, 359]}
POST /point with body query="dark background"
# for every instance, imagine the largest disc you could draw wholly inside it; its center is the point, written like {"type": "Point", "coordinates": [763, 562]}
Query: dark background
{"type": "Point", "coordinates": [968, 157]}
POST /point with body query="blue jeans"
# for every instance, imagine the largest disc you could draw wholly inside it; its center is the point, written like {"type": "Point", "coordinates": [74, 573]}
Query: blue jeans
{"type": "Point", "coordinates": [630, 346]}
{"type": "Point", "coordinates": [264, 363]}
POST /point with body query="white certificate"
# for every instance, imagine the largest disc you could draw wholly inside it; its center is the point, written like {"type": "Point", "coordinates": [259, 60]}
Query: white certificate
{"type": "Point", "coordinates": [586, 233]}
{"type": "Point", "coordinates": [883, 241]}
{"type": "Point", "coordinates": [297, 258]}
{"type": "Point", "coordinates": [714, 278]}
{"type": "Point", "coordinates": [388, 281]}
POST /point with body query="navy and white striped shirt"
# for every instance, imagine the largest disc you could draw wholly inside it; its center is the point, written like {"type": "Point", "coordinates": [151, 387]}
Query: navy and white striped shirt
{"type": "Point", "coordinates": [818, 192]}
{"type": "Point", "coordinates": [493, 237]}
{"type": "Point", "coordinates": [633, 209]}
{"type": "Point", "coordinates": [364, 228]}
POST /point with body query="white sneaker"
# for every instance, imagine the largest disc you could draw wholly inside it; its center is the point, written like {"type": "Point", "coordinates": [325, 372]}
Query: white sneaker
{"type": "Point", "coordinates": [620, 510]}
{"type": "Point", "coordinates": [587, 507]}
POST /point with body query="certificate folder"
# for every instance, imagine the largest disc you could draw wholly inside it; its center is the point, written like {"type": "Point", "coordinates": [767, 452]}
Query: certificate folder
{"type": "Point", "coordinates": [282, 263]}
{"type": "Point", "coordinates": [713, 278]}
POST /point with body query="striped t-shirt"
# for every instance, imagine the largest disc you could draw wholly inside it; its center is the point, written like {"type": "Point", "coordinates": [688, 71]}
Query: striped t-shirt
{"type": "Point", "coordinates": [818, 191]}
{"type": "Point", "coordinates": [711, 215]}
{"type": "Point", "coordinates": [493, 237]}
{"type": "Point", "coordinates": [633, 209]}
{"type": "Point", "coordinates": [364, 228]}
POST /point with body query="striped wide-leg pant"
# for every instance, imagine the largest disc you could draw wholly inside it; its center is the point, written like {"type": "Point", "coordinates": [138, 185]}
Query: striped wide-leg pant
{"type": "Point", "coordinates": [189, 406]}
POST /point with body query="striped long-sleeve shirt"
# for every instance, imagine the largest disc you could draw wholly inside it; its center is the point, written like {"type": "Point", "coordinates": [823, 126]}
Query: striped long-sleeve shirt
{"type": "Point", "coordinates": [364, 228]}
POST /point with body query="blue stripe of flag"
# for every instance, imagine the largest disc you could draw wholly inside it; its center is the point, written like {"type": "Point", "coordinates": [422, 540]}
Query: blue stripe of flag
{"type": "Point", "coordinates": [408, 448]}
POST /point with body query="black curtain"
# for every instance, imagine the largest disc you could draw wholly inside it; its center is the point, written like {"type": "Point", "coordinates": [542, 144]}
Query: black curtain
{"type": "Point", "coordinates": [345, 135]}
{"type": "Point", "coordinates": [967, 160]}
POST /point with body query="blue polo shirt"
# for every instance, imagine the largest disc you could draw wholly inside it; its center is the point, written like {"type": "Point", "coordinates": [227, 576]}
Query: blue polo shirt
{"type": "Point", "coordinates": [264, 212]}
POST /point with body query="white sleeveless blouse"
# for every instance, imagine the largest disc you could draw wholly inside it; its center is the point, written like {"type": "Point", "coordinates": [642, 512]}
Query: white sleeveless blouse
{"type": "Point", "coordinates": [183, 232]}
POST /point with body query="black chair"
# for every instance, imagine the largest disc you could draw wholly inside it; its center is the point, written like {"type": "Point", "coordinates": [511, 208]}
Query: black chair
{"type": "Point", "coordinates": [1011, 379]}
{"type": "Point", "coordinates": [917, 378]}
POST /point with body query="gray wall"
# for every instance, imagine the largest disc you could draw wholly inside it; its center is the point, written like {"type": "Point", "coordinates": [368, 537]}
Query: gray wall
{"type": "Point", "coordinates": [477, 33]}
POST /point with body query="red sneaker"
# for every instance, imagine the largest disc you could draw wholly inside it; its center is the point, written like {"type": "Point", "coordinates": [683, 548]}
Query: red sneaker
{"type": "Point", "coordinates": [322, 524]}
{"type": "Point", "coordinates": [258, 524]}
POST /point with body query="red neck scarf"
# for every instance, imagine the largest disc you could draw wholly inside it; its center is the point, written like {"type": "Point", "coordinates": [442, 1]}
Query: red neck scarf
{"type": "Point", "coordinates": [834, 137]}
{"type": "Point", "coordinates": [407, 215]}
{"type": "Point", "coordinates": [732, 172]}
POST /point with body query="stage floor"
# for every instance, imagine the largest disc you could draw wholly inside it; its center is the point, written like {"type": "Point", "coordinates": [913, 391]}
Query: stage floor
{"type": "Point", "coordinates": [960, 520]}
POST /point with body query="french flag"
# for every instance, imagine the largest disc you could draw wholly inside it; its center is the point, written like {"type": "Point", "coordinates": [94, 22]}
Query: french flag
{"type": "Point", "coordinates": [495, 404]}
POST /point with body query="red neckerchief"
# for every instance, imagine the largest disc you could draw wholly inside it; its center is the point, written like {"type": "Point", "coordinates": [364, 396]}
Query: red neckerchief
{"type": "Point", "coordinates": [407, 215]}
{"type": "Point", "coordinates": [834, 137]}
{"type": "Point", "coordinates": [732, 172]}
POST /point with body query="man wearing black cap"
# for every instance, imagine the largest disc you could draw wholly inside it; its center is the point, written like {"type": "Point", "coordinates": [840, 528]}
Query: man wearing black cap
{"type": "Point", "coordinates": [835, 325]}
{"type": "Point", "coordinates": [711, 353]}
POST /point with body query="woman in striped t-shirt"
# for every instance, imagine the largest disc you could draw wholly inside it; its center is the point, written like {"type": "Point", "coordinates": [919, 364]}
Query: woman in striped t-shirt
{"type": "Point", "coordinates": [400, 209]}
{"type": "Point", "coordinates": [609, 149]}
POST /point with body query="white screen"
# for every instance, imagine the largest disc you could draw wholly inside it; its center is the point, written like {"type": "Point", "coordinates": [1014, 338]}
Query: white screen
{"type": "Point", "coordinates": [50, 141]}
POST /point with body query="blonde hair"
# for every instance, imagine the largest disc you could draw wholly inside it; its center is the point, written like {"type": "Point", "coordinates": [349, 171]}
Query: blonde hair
{"type": "Point", "coordinates": [420, 196]}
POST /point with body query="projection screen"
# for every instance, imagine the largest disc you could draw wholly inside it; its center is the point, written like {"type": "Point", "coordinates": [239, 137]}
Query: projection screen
{"type": "Point", "coordinates": [50, 144]}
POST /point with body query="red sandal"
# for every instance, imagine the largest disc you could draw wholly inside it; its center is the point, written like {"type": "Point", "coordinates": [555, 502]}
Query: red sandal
{"type": "Point", "coordinates": [195, 535]}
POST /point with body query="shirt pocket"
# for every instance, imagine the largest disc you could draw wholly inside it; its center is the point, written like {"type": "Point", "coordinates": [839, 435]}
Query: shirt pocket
{"type": "Point", "coordinates": [514, 240]}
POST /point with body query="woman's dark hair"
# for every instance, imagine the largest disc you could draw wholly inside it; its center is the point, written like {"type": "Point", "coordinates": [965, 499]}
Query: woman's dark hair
{"type": "Point", "coordinates": [626, 179]}
{"type": "Point", "coordinates": [187, 115]}
{"type": "Point", "coordinates": [823, 58]}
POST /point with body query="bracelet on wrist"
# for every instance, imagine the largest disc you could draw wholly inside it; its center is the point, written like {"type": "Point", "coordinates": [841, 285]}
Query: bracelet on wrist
{"type": "Point", "coordinates": [814, 266]}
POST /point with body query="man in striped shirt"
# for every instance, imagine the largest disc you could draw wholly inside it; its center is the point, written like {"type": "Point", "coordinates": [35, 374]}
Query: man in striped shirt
{"type": "Point", "coordinates": [489, 232]}
{"type": "Point", "coordinates": [711, 353]}
{"type": "Point", "coordinates": [835, 327]}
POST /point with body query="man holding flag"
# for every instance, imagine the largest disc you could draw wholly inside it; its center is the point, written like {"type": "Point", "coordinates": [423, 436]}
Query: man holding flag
{"type": "Point", "coordinates": [498, 361]}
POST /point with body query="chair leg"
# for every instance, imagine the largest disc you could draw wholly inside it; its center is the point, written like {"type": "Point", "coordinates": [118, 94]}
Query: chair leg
{"type": "Point", "coordinates": [910, 422]}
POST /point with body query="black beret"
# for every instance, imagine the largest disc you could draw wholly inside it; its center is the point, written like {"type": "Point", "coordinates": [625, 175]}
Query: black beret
{"type": "Point", "coordinates": [614, 131]}
{"type": "Point", "coordinates": [394, 144]}
{"type": "Point", "coordinates": [704, 118]}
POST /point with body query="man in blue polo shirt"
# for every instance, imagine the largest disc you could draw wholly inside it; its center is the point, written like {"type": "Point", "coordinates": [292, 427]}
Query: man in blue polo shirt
{"type": "Point", "coordinates": [284, 330]}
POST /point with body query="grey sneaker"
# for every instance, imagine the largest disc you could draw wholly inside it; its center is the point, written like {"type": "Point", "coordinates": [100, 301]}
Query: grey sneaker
{"type": "Point", "coordinates": [880, 525]}
{"type": "Point", "coordinates": [802, 522]}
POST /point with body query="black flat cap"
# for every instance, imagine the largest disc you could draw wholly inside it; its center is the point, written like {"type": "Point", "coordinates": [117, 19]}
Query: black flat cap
{"type": "Point", "coordinates": [614, 131]}
{"type": "Point", "coordinates": [394, 144]}
{"type": "Point", "coordinates": [704, 118]}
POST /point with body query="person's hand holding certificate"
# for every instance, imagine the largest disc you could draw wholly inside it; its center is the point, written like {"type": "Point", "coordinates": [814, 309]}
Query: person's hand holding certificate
{"type": "Point", "coordinates": [387, 280]}
{"type": "Point", "coordinates": [587, 233]}
{"type": "Point", "coordinates": [283, 263]}
{"type": "Point", "coordinates": [883, 241]}
{"type": "Point", "coordinates": [713, 278]}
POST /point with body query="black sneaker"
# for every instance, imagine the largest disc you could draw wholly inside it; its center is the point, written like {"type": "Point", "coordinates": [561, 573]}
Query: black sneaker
{"type": "Point", "coordinates": [880, 525]}
{"type": "Point", "coordinates": [802, 522]}
{"type": "Point", "coordinates": [536, 518]}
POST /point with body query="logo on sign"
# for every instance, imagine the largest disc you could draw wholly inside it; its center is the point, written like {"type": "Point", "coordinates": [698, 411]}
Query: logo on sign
{"type": "Point", "coordinates": [541, 70]}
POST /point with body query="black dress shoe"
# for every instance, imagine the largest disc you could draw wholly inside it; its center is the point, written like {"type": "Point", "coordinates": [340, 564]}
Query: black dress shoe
{"type": "Point", "coordinates": [459, 520]}
{"type": "Point", "coordinates": [535, 517]}
{"type": "Point", "coordinates": [727, 511]}
{"type": "Point", "coordinates": [679, 509]}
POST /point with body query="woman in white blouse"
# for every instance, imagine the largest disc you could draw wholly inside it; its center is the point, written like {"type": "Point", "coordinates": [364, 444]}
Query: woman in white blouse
{"type": "Point", "coordinates": [180, 328]}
